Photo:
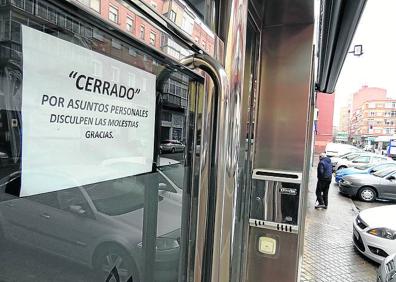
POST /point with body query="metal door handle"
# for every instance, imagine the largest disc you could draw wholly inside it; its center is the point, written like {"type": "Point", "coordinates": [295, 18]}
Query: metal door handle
{"type": "Point", "coordinates": [221, 179]}
{"type": "Point", "coordinates": [45, 215]}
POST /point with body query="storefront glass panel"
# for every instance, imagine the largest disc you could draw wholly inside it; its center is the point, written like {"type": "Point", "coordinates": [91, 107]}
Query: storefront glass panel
{"type": "Point", "coordinates": [89, 189]}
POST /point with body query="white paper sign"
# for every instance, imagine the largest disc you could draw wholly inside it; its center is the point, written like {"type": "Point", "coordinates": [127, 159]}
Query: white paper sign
{"type": "Point", "coordinates": [86, 117]}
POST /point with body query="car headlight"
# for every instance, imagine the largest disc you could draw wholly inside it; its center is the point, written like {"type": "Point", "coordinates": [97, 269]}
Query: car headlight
{"type": "Point", "coordinates": [385, 233]}
{"type": "Point", "coordinates": [346, 182]}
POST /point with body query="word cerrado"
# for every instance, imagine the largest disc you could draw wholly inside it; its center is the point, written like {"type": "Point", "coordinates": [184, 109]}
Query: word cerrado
{"type": "Point", "coordinates": [98, 86]}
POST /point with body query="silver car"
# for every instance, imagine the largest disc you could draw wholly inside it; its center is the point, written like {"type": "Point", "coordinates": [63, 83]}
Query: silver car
{"type": "Point", "coordinates": [368, 187]}
{"type": "Point", "coordinates": [171, 146]}
{"type": "Point", "coordinates": [99, 225]}
{"type": "Point", "coordinates": [359, 160]}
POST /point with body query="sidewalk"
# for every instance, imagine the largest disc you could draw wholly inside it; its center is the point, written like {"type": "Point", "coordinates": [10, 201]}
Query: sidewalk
{"type": "Point", "coordinates": [329, 254]}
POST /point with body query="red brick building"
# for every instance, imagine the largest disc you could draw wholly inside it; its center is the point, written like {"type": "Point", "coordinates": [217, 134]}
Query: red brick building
{"type": "Point", "coordinates": [324, 122]}
{"type": "Point", "coordinates": [366, 94]}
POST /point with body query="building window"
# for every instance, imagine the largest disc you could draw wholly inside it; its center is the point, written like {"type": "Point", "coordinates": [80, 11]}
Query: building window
{"type": "Point", "coordinates": [132, 52]}
{"type": "Point", "coordinates": [113, 14]}
{"type": "Point", "coordinates": [152, 38]}
{"type": "Point", "coordinates": [116, 44]}
{"type": "Point", "coordinates": [142, 32]}
{"type": "Point", "coordinates": [129, 24]}
{"type": "Point", "coordinates": [172, 16]}
{"type": "Point", "coordinates": [95, 5]}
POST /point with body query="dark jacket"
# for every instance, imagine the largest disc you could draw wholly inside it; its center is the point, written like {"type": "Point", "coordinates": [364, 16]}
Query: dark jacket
{"type": "Point", "coordinates": [325, 169]}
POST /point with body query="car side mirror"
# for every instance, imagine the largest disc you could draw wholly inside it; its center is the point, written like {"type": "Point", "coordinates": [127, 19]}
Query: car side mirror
{"type": "Point", "coordinates": [76, 209]}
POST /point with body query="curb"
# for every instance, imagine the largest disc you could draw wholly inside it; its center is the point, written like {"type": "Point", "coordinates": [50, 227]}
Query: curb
{"type": "Point", "coordinates": [355, 209]}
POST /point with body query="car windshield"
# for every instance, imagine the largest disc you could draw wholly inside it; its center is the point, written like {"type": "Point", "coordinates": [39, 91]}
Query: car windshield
{"type": "Point", "coordinates": [382, 167]}
{"type": "Point", "coordinates": [118, 196]}
{"type": "Point", "coordinates": [166, 141]}
{"type": "Point", "coordinates": [384, 172]}
{"type": "Point", "coordinates": [175, 172]}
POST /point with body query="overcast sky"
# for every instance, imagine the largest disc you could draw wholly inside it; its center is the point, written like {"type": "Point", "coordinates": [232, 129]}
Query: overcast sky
{"type": "Point", "coordinates": [376, 67]}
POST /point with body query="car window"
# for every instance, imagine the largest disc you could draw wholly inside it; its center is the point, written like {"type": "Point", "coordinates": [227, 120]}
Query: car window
{"type": "Point", "coordinates": [365, 159]}
{"type": "Point", "coordinates": [71, 197]}
{"type": "Point", "coordinates": [351, 156]}
{"type": "Point", "coordinates": [378, 159]}
{"type": "Point", "coordinates": [117, 197]}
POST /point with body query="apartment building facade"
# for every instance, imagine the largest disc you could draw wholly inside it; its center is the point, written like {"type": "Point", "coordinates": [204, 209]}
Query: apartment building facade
{"type": "Point", "coordinates": [373, 118]}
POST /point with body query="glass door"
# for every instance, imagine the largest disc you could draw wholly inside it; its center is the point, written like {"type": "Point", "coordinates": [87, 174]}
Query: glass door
{"type": "Point", "coordinates": [99, 130]}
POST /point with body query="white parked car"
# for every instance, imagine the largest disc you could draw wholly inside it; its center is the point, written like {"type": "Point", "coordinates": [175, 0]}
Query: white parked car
{"type": "Point", "coordinates": [374, 232]}
{"type": "Point", "coordinates": [387, 270]}
{"type": "Point", "coordinates": [338, 149]}
{"type": "Point", "coordinates": [348, 156]}
{"type": "Point", "coordinates": [361, 159]}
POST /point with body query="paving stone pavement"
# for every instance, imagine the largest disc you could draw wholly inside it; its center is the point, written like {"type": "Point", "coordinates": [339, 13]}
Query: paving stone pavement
{"type": "Point", "coordinates": [329, 254]}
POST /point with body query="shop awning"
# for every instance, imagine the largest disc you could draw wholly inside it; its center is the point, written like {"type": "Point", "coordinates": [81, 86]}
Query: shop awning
{"type": "Point", "coordinates": [338, 22]}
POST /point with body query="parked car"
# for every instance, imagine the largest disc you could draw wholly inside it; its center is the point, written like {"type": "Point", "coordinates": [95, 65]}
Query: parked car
{"type": "Point", "coordinates": [368, 187]}
{"type": "Point", "coordinates": [361, 159]}
{"type": "Point", "coordinates": [387, 269]}
{"type": "Point", "coordinates": [374, 232]}
{"type": "Point", "coordinates": [366, 169]}
{"type": "Point", "coordinates": [171, 146]}
{"type": "Point", "coordinates": [338, 149]}
{"type": "Point", "coordinates": [99, 225]}
{"type": "Point", "coordinates": [347, 156]}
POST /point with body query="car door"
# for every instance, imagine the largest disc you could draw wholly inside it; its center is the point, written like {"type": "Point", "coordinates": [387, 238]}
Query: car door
{"type": "Point", "coordinates": [180, 146]}
{"type": "Point", "coordinates": [389, 187]}
{"type": "Point", "coordinates": [69, 228]}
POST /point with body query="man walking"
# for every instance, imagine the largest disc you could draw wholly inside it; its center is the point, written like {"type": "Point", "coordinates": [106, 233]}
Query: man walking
{"type": "Point", "coordinates": [325, 171]}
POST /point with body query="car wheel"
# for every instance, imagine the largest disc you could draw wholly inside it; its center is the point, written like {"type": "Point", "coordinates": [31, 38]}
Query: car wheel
{"type": "Point", "coordinates": [341, 167]}
{"type": "Point", "coordinates": [112, 260]}
{"type": "Point", "coordinates": [367, 194]}
{"type": "Point", "coordinates": [173, 150]}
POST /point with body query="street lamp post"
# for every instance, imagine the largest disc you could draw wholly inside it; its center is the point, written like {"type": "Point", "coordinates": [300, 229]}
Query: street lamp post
{"type": "Point", "coordinates": [357, 51]}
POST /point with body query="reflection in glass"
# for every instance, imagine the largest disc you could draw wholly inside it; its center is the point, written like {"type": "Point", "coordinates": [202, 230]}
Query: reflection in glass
{"type": "Point", "coordinates": [95, 231]}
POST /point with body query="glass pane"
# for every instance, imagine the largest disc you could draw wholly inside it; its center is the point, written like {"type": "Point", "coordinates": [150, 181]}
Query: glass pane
{"type": "Point", "coordinates": [88, 192]}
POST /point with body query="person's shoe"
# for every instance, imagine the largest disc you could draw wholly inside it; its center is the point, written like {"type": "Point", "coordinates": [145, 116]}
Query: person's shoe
{"type": "Point", "coordinates": [325, 207]}
{"type": "Point", "coordinates": [320, 206]}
